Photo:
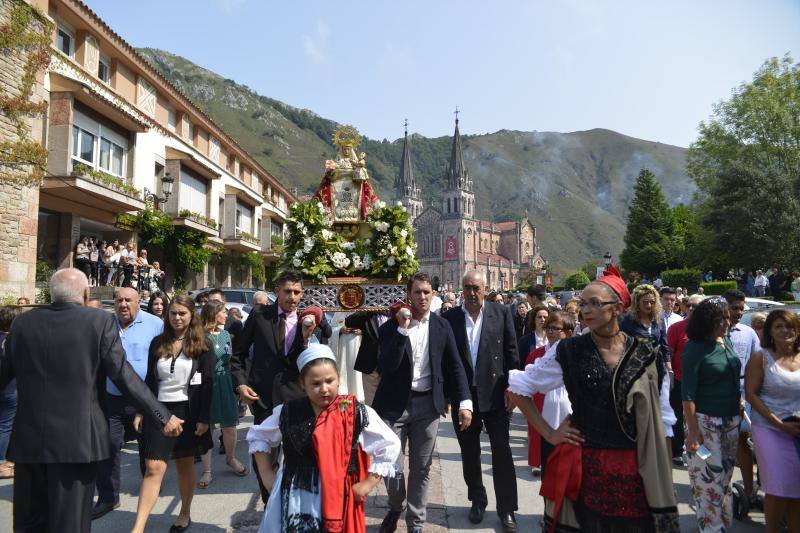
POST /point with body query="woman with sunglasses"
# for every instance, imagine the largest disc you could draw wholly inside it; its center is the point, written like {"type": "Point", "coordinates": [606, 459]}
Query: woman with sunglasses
{"type": "Point", "coordinates": [644, 320]}
{"type": "Point", "coordinates": [609, 469]}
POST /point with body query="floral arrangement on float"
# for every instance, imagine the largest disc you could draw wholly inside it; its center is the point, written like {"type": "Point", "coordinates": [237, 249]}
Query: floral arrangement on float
{"type": "Point", "coordinates": [318, 251]}
{"type": "Point", "coordinates": [354, 249]}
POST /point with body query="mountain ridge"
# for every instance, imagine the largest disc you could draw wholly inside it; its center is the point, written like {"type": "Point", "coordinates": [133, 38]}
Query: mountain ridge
{"type": "Point", "coordinates": [574, 187]}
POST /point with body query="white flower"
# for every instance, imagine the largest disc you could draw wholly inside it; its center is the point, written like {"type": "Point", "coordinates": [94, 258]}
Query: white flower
{"type": "Point", "coordinates": [348, 245]}
{"type": "Point", "coordinates": [404, 233]}
{"type": "Point", "coordinates": [298, 253]}
{"type": "Point", "coordinates": [303, 231]}
{"type": "Point", "coordinates": [403, 208]}
{"type": "Point", "coordinates": [300, 225]}
{"type": "Point", "coordinates": [340, 260]}
{"type": "Point", "coordinates": [296, 262]}
{"type": "Point", "coordinates": [367, 242]}
{"type": "Point", "coordinates": [409, 251]}
{"type": "Point", "coordinates": [327, 234]}
{"type": "Point", "coordinates": [308, 244]}
{"type": "Point", "coordinates": [383, 227]}
{"type": "Point", "coordinates": [399, 203]}
{"type": "Point", "coordinates": [357, 261]}
{"type": "Point", "coordinates": [320, 207]}
{"type": "Point", "coordinates": [391, 261]}
{"type": "Point", "coordinates": [380, 204]}
{"type": "Point", "coordinates": [366, 261]}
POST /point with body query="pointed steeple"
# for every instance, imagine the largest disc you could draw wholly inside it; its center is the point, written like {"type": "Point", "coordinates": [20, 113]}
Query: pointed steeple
{"type": "Point", "coordinates": [405, 188]}
{"type": "Point", "coordinates": [406, 176]}
{"type": "Point", "coordinates": [457, 175]}
{"type": "Point", "coordinates": [458, 200]}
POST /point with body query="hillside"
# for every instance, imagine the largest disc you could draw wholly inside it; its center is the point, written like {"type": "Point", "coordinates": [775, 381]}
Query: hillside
{"type": "Point", "coordinates": [575, 186]}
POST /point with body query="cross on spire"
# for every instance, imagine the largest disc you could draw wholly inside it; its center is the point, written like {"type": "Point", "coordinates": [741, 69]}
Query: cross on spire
{"type": "Point", "coordinates": [456, 112]}
{"type": "Point", "coordinates": [405, 125]}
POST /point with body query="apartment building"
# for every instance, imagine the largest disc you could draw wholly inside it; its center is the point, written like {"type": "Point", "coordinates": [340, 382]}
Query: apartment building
{"type": "Point", "coordinates": [117, 131]}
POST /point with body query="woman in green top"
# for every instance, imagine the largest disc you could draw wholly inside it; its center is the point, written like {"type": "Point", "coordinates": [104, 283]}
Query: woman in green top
{"type": "Point", "coordinates": [224, 405]}
{"type": "Point", "coordinates": [712, 406]}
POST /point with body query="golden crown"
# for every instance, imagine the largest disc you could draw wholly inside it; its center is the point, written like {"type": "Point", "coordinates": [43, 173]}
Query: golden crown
{"type": "Point", "coordinates": [346, 136]}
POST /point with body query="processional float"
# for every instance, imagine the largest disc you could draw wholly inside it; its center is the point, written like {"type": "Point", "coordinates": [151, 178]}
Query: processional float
{"type": "Point", "coordinates": [354, 251]}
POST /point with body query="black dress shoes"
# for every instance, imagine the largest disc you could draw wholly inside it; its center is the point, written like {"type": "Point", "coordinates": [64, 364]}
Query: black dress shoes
{"type": "Point", "coordinates": [389, 524]}
{"type": "Point", "coordinates": [508, 522]}
{"type": "Point", "coordinates": [180, 529]}
{"type": "Point", "coordinates": [476, 513]}
{"type": "Point", "coordinates": [103, 508]}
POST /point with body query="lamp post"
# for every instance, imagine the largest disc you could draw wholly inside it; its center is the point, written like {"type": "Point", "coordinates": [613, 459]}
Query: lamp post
{"type": "Point", "coordinates": [607, 259]}
{"type": "Point", "coordinates": [502, 281]}
{"type": "Point", "coordinates": [166, 187]}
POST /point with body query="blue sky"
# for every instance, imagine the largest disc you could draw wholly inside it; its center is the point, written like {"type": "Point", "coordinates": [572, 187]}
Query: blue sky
{"type": "Point", "coordinates": [646, 69]}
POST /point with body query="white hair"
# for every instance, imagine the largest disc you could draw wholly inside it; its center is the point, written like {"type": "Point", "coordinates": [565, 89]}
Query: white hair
{"type": "Point", "coordinates": [475, 273]}
{"type": "Point", "coordinates": [68, 285]}
{"type": "Point", "coordinates": [260, 296]}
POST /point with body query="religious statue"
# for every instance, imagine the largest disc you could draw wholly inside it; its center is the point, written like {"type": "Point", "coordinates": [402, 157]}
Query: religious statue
{"type": "Point", "coordinates": [345, 190]}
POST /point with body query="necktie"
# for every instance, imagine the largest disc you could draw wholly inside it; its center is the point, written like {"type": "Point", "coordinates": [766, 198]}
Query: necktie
{"type": "Point", "coordinates": [290, 325]}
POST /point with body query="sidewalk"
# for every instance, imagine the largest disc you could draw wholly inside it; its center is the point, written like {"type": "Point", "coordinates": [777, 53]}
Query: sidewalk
{"type": "Point", "coordinates": [231, 504]}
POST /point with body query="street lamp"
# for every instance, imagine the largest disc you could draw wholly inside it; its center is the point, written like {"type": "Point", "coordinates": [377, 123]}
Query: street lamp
{"type": "Point", "coordinates": [607, 259]}
{"type": "Point", "coordinates": [166, 188]}
{"type": "Point", "coordinates": [502, 280]}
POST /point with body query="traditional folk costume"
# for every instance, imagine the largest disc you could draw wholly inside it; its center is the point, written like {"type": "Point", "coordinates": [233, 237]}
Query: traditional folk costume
{"type": "Point", "coordinates": [323, 457]}
{"type": "Point", "coordinates": [620, 479]}
{"type": "Point", "coordinates": [534, 439]}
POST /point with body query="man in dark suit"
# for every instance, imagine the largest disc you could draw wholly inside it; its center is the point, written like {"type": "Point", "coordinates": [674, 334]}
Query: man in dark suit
{"type": "Point", "coordinates": [420, 368]}
{"type": "Point", "coordinates": [487, 344]}
{"type": "Point", "coordinates": [61, 355]}
{"type": "Point", "coordinates": [367, 359]}
{"type": "Point", "coordinates": [277, 337]}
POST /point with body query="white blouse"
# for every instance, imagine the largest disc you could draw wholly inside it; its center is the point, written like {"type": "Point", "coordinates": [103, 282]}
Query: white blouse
{"type": "Point", "coordinates": [544, 376]}
{"type": "Point", "coordinates": [377, 440]}
{"type": "Point", "coordinates": [173, 378]}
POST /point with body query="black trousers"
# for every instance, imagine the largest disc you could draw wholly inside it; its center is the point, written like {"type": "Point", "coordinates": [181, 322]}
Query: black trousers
{"type": "Point", "coordinates": [54, 497]}
{"type": "Point", "coordinates": [119, 414]}
{"type": "Point", "coordinates": [504, 476]}
{"type": "Point", "coordinates": [676, 401]}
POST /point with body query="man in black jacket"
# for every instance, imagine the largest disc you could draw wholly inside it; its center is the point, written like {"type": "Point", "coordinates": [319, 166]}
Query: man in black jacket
{"type": "Point", "coordinates": [420, 368]}
{"type": "Point", "coordinates": [60, 356]}
{"type": "Point", "coordinates": [486, 341]}
{"type": "Point", "coordinates": [277, 337]}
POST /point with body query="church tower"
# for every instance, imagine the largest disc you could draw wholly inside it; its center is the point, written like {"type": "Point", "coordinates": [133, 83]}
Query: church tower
{"type": "Point", "coordinates": [405, 188]}
{"type": "Point", "coordinates": [458, 200]}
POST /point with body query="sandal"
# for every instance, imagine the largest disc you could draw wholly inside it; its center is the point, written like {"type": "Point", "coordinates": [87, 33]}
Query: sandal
{"type": "Point", "coordinates": [205, 480]}
{"type": "Point", "coordinates": [241, 473]}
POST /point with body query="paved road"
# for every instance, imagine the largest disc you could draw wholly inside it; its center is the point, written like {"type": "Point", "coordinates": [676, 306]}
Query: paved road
{"type": "Point", "coordinates": [230, 504]}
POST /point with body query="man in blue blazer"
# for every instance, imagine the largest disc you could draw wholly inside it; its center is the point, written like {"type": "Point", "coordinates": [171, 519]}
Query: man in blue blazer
{"type": "Point", "coordinates": [420, 370]}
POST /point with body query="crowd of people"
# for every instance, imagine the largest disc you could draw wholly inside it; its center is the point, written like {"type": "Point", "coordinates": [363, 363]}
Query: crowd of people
{"type": "Point", "coordinates": [618, 389]}
{"type": "Point", "coordinates": [113, 264]}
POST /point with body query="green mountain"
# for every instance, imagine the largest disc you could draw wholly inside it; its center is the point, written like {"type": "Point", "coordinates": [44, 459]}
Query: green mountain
{"type": "Point", "coordinates": [575, 187]}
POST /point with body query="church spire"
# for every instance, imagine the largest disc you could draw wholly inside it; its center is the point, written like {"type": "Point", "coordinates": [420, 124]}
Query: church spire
{"type": "Point", "coordinates": [406, 176]}
{"type": "Point", "coordinates": [405, 188]}
{"type": "Point", "coordinates": [457, 175]}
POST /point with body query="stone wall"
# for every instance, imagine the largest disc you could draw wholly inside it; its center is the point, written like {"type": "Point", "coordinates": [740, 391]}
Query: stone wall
{"type": "Point", "coordinates": [19, 204]}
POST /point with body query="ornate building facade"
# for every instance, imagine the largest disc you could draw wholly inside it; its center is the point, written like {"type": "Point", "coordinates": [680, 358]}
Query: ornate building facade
{"type": "Point", "coordinates": [451, 241]}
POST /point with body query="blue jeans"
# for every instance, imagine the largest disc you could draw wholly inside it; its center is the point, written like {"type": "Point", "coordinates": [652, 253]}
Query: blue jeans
{"type": "Point", "coordinates": [8, 408]}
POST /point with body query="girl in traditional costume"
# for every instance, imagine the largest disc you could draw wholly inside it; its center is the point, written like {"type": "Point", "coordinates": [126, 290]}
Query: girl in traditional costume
{"type": "Point", "coordinates": [335, 451]}
{"type": "Point", "coordinates": [610, 470]}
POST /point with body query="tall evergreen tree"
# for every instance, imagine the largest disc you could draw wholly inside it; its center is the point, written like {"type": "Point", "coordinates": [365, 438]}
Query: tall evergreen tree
{"type": "Point", "coordinates": [649, 237]}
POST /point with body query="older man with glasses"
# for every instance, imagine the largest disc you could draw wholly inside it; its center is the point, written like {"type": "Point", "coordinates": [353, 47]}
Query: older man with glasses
{"type": "Point", "coordinates": [676, 340]}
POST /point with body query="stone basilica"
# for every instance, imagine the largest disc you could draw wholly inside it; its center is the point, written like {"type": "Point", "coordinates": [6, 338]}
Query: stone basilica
{"type": "Point", "coordinates": [450, 240]}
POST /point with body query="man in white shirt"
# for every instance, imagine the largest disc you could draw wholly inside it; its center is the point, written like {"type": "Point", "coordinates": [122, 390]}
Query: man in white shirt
{"type": "Point", "coordinates": [745, 342]}
{"type": "Point", "coordinates": [669, 297]}
{"type": "Point", "coordinates": [486, 341]}
{"type": "Point", "coordinates": [420, 367]}
{"type": "Point", "coordinates": [761, 283]}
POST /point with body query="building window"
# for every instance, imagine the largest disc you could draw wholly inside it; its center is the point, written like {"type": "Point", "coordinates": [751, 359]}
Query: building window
{"type": "Point", "coordinates": [172, 119]}
{"type": "Point", "coordinates": [244, 219]}
{"type": "Point", "coordinates": [448, 205]}
{"type": "Point", "coordinates": [277, 229]}
{"type": "Point", "coordinates": [193, 193]}
{"type": "Point", "coordinates": [111, 157]}
{"type": "Point", "coordinates": [104, 69]}
{"type": "Point", "coordinates": [82, 146]}
{"type": "Point", "coordinates": [65, 41]}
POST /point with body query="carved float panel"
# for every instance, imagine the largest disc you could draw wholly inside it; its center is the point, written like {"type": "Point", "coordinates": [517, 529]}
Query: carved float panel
{"type": "Point", "coordinates": [353, 294]}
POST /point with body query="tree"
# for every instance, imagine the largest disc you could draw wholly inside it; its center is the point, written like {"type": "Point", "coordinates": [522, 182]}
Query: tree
{"type": "Point", "coordinates": [649, 235]}
{"type": "Point", "coordinates": [590, 269]}
{"type": "Point", "coordinates": [745, 164]}
{"type": "Point", "coordinates": [577, 280]}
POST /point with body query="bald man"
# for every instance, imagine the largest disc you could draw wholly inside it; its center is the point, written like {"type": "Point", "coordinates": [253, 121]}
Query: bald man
{"type": "Point", "coordinates": [487, 343]}
{"type": "Point", "coordinates": [137, 329]}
